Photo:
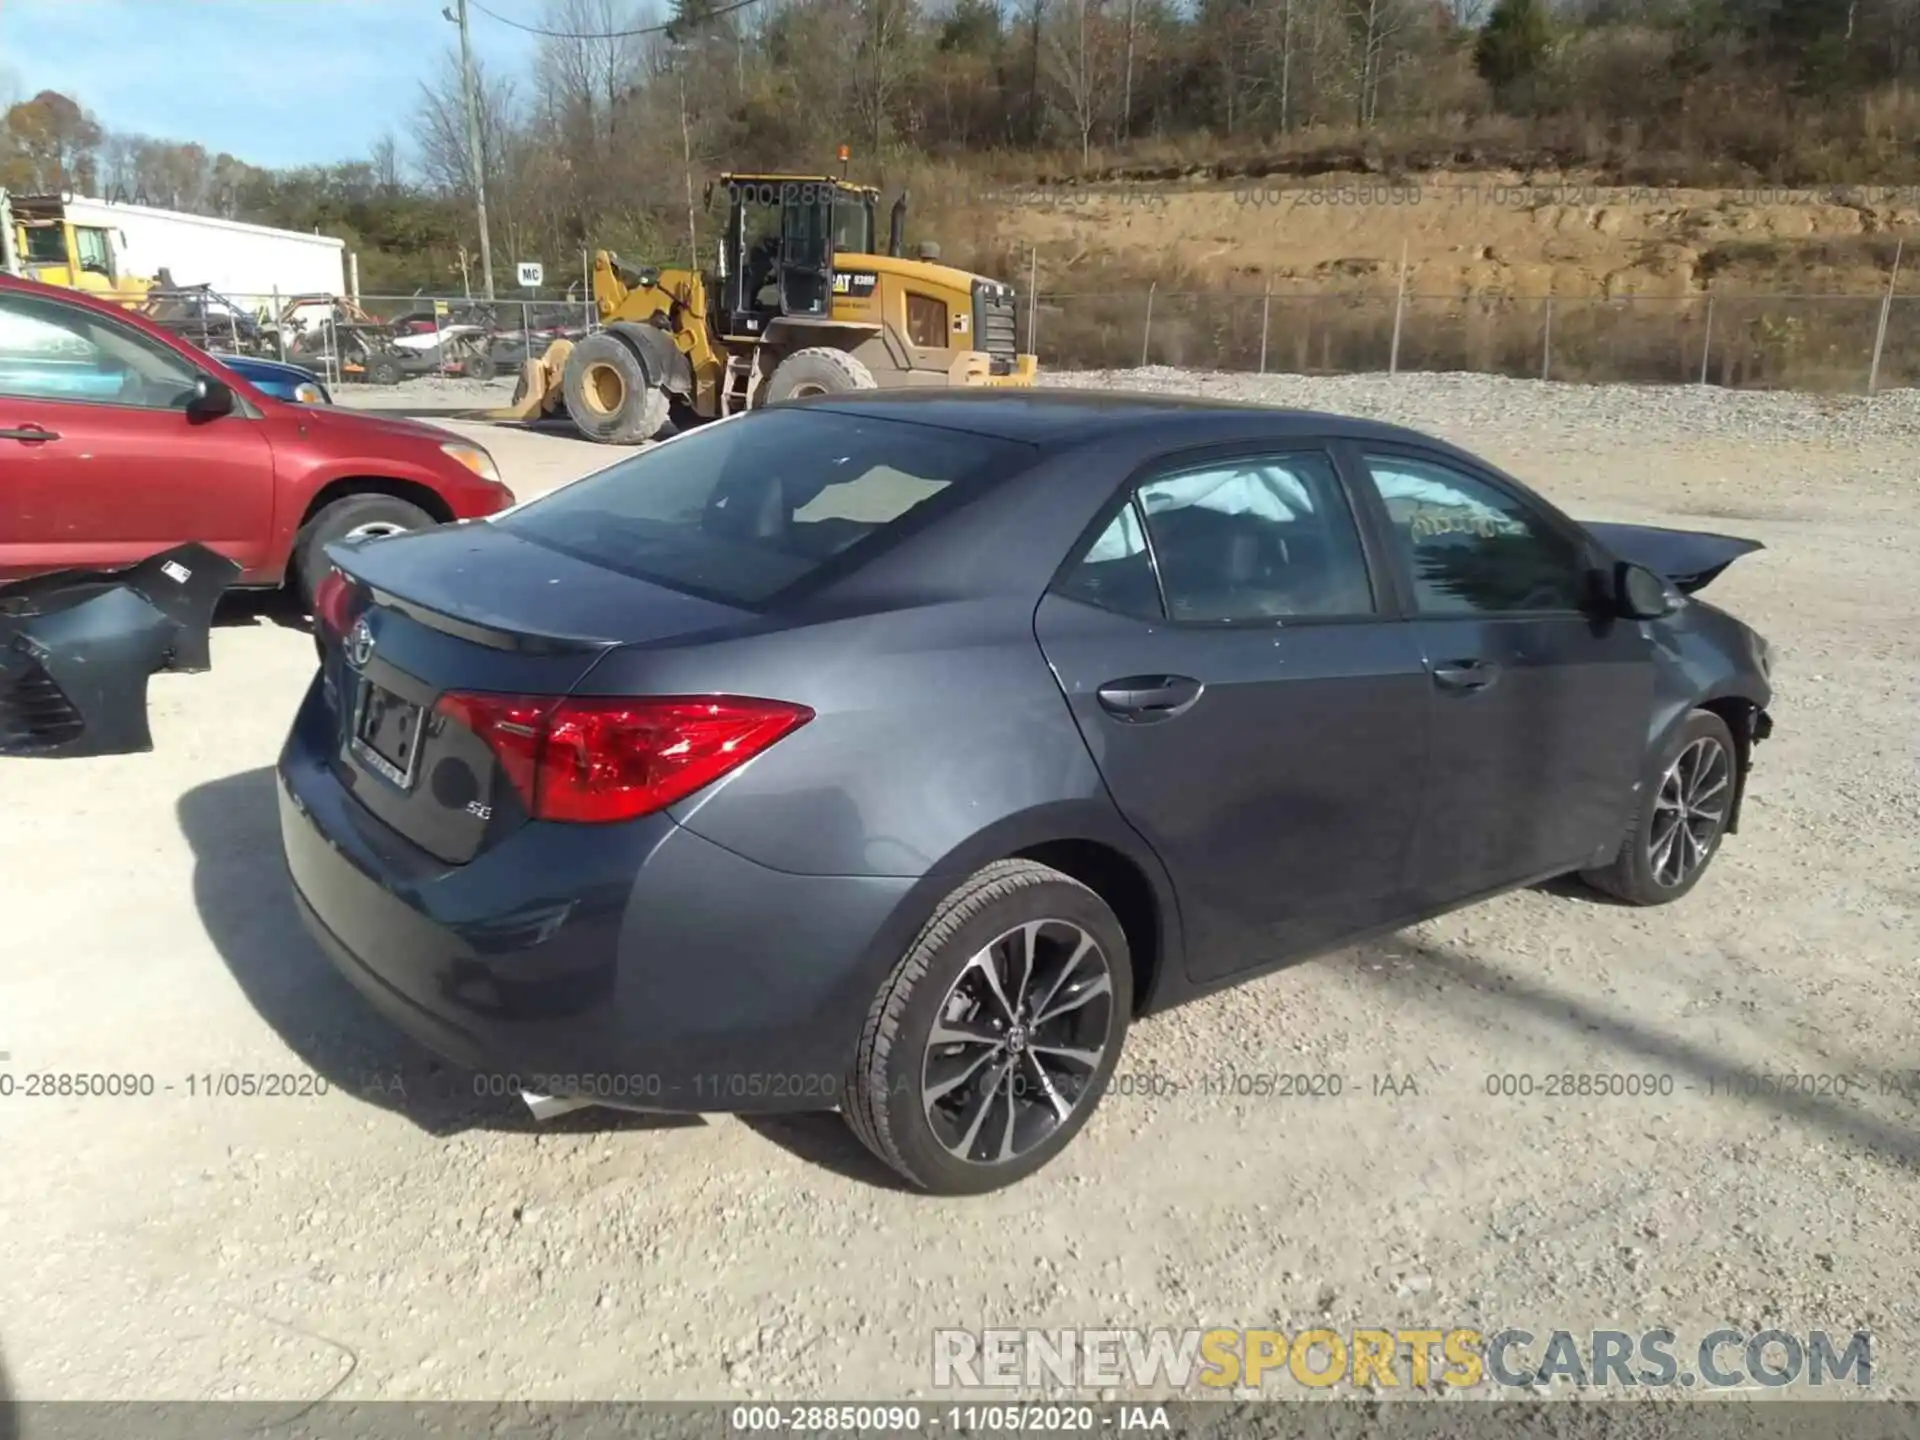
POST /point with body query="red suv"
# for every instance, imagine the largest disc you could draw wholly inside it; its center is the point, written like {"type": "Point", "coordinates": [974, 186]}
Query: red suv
{"type": "Point", "coordinates": [119, 440]}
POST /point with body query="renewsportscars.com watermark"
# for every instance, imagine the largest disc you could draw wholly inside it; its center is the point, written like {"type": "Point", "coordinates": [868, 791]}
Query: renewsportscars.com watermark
{"type": "Point", "coordinates": [1456, 1359]}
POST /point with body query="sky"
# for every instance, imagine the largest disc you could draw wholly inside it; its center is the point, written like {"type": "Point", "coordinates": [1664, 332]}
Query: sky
{"type": "Point", "coordinates": [273, 82]}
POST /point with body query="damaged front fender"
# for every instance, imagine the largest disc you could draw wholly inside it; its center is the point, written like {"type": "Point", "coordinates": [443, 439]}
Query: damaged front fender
{"type": "Point", "coordinates": [78, 646]}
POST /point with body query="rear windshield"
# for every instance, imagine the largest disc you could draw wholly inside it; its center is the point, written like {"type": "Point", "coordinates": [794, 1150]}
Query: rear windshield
{"type": "Point", "coordinates": [746, 510]}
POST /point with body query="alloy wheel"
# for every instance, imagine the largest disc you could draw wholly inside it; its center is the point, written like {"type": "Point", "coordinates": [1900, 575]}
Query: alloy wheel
{"type": "Point", "coordinates": [374, 530]}
{"type": "Point", "coordinates": [1688, 811]}
{"type": "Point", "coordinates": [1018, 1041]}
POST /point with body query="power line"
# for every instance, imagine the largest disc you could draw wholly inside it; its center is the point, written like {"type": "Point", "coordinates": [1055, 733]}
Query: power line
{"type": "Point", "coordinates": [608, 34]}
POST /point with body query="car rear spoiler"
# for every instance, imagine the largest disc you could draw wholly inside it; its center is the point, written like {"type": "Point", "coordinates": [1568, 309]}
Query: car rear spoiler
{"type": "Point", "coordinates": [77, 648]}
{"type": "Point", "coordinates": [1691, 559]}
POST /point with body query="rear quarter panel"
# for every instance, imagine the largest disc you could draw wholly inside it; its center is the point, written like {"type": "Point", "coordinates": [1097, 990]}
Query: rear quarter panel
{"type": "Point", "coordinates": [941, 739]}
{"type": "Point", "coordinates": [940, 743]}
{"type": "Point", "coordinates": [930, 725]}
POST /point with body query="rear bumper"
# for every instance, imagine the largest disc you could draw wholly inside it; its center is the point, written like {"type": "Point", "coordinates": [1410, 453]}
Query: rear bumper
{"type": "Point", "coordinates": [637, 965]}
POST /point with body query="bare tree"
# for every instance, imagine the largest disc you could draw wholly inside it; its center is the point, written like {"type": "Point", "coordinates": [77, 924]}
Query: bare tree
{"type": "Point", "coordinates": [440, 130]}
{"type": "Point", "coordinates": [386, 164]}
{"type": "Point", "coordinates": [119, 167]}
{"type": "Point", "coordinates": [1034, 21]}
{"type": "Point", "coordinates": [1076, 67]}
{"type": "Point", "coordinates": [1375, 27]}
{"type": "Point", "coordinates": [883, 69]}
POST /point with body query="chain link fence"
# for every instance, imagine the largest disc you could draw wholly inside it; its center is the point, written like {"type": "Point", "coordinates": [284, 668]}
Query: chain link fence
{"type": "Point", "coordinates": [377, 339]}
{"type": "Point", "coordinates": [1802, 342]}
{"type": "Point", "coordinates": [1833, 343]}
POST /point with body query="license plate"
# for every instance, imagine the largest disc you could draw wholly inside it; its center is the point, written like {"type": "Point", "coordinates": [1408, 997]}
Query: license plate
{"type": "Point", "coordinates": [386, 734]}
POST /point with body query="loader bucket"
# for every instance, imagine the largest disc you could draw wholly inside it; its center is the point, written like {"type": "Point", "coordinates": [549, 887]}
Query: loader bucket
{"type": "Point", "coordinates": [539, 391]}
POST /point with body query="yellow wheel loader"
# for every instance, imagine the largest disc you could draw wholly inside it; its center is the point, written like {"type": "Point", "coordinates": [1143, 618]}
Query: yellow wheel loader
{"type": "Point", "coordinates": [43, 242]}
{"type": "Point", "coordinates": [800, 302]}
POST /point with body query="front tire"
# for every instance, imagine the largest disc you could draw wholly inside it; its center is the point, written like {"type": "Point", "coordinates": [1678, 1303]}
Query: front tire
{"type": "Point", "coordinates": [350, 517]}
{"type": "Point", "coordinates": [609, 397]}
{"type": "Point", "coordinates": [1682, 817]}
{"type": "Point", "coordinates": [992, 1041]}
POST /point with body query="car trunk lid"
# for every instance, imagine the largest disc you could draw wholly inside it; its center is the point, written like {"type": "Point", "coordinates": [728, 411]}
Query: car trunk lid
{"type": "Point", "coordinates": [468, 609]}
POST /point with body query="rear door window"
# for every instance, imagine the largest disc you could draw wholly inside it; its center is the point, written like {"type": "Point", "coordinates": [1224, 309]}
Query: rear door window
{"type": "Point", "coordinates": [747, 510]}
{"type": "Point", "coordinates": [1263, 537]}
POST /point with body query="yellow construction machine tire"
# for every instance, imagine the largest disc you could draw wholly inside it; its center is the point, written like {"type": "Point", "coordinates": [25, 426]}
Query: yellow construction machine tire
{"type": "Point", "coordinates": [818, 370]}
{"type": "Point", "coordinates": [609, 397]}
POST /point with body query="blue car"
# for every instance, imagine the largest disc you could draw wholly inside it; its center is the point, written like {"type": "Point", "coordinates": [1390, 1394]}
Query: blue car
{"type": "Point", "coordinates": [280, 380]}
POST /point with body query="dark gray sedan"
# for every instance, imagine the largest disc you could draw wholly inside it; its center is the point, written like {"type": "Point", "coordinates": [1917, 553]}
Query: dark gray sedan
{"type": "Point", "coordinates": [894, 752]}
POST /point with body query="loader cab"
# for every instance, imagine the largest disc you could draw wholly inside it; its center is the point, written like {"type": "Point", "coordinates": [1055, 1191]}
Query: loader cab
{"type": "Point", "coordinates": [55, 249]}
{"type": "Point", "coordinates": [783, 232]}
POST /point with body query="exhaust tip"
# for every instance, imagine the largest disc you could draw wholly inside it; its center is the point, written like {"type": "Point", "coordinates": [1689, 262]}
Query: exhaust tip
{"type": "Point", "coordinates": [547, 1107]}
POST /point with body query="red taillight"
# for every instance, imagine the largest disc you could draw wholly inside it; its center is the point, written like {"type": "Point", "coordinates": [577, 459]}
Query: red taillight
{"type": "Point", "coordinates": [333, 603]}
{"type": "Point", "coordinates": [592, 760]}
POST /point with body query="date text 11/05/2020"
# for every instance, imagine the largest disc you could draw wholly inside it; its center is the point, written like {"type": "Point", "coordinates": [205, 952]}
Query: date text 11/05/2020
{"type": "Point", "coordinates": [1225, 1082]}
{"type": "Point", "coordinates": [1046, 1418]}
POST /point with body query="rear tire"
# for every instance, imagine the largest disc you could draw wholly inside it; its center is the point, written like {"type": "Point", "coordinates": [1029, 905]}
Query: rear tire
{"type": "Point", "coordinates": [818, 371]}
{"type": "Point", "coordinates": [1682, 817]}
{"type": "Point", "coordinates": [994, 1116]}
{"type": "Point", "coordinates": [609, 397]}
{"type": "Point", "coordinates": [371, 514]}
{"type": "Point", "coordinates": [383, 370]}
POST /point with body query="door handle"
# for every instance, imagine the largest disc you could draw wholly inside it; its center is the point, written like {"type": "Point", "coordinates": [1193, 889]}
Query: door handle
{"type": "Point", "coordinates": [1465, 675]}
{"type": "Point", "coordinates": [1140, 699]}
{"type": "Point", "coordinates": [30, 434]}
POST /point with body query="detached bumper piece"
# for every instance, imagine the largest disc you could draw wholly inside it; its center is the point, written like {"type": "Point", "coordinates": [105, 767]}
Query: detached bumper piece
{"type": "Point", "coordinates": [1758, 727]}
{"type": "Point", "coordinates": [78, 646]}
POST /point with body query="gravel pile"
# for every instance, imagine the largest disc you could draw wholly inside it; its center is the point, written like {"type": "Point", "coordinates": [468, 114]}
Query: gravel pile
{"type": "Point", "coordinates": [1464, 408]}
{"type": "Point", "coordinates": [1460, 406]}
{"type": "Point", "coordinates": [427, 394]}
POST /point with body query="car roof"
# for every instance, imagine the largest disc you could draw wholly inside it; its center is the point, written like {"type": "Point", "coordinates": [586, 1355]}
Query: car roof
{"type": "Point", "coordinates": [85, 300]}
{"type": "Point", "coordinates": [57, 292]}
{"type": "Point", "coordinates": [1062, 418]}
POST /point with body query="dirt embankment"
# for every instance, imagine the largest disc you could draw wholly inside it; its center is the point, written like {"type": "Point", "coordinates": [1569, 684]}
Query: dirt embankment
{"type": "Point", "coordinates": [1477, 234]}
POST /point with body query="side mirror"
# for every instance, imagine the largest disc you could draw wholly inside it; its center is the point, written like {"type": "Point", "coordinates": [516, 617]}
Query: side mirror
{"type": "Point", "coordinates": [1639, 594]}
{"type": "Point", "coordinates": [211, 398]}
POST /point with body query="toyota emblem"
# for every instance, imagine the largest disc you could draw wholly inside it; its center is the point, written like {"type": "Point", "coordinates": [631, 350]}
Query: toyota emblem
{"type": "Point", "coordinates": [360, 644]}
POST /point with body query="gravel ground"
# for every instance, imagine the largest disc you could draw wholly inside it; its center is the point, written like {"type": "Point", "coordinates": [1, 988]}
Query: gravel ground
{"type": "Point", "coordinates": [397, 1238]}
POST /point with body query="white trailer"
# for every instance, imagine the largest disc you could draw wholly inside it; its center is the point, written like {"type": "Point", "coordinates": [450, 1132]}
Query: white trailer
{"type": "Point", "coordinates": [246, 263]}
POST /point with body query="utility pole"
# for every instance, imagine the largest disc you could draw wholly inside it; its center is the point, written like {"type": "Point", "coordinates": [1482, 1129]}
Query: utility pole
{"type": "Point", "coordinates": [686, 155]}
{"type": "Point", "coordinates": [9, 261]}
{"type": "Point", "coordinates": [470, 88]}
